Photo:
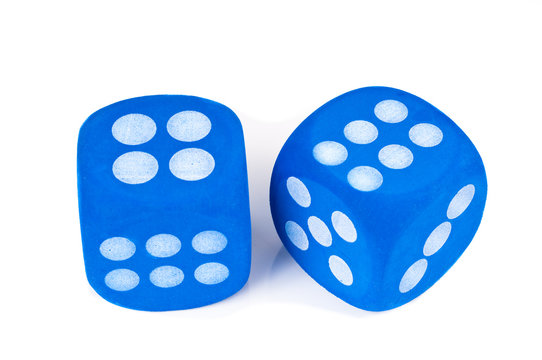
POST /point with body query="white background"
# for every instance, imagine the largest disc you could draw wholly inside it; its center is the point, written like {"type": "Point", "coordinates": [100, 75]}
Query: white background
{"type": "Point", "coordinates": [273, 63]}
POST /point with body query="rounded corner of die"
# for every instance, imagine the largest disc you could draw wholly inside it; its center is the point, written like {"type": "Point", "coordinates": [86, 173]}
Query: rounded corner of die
{"type": "Point", "coordinates": [219, 108]}
{"type": "Point", "coordinates": [235, 120]}
{"type": "Point", "coordinates": [84, 129]}
{"type": "Point", "coordinates": [99, 288]}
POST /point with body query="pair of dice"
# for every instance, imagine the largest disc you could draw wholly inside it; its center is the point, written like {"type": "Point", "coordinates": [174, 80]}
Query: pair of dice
{"type": "Point", "coordinates": [375, 195]}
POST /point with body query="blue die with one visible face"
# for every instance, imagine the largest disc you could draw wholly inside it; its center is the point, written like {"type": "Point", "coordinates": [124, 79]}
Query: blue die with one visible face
{"type": "Point", "coordinates": [163, 200]}
{"type": "Point", "coordinates": [376, 195]}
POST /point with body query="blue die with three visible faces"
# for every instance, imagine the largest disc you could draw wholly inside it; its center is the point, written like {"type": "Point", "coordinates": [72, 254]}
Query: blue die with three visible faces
{"type": "Point", "coordinates": [376, 195]}
{"type": "Point", "coordinates": [163, 201]}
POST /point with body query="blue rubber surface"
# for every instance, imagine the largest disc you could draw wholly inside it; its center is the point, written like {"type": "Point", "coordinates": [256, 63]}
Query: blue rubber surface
{"type": "Point", "coordinates": [376, 195]}
{"type": "Point", "coordinates": [163, 200]}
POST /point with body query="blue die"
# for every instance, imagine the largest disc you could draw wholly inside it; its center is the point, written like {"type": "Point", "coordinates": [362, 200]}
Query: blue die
{"type": "Point", "coordinates": [163, 202]}
{"type": "Point", "coordinates": [376, 195]}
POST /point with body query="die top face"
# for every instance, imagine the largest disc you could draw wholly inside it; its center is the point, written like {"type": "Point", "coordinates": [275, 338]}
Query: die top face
{"type": "Point", "coordinates": [145, 147]}
{"type": "Point", "coordinates": [380, 140]}
{"type": "Point", "coordinates": [163, 201]}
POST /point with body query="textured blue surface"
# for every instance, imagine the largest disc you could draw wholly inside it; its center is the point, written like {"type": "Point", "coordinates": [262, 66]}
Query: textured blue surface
{"type": "Point", "coordinates": [139, 218]}
{"type": "Point", "coordinates": [394, 209]}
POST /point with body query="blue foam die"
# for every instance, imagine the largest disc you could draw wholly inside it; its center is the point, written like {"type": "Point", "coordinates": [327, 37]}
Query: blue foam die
{"type": "Point", "coordinates": [376, 195]}
{"type": "Point", "coordinates": [163, 202]}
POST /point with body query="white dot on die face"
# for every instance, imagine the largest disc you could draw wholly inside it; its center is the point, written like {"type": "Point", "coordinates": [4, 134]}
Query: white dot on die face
{"type": "Point", "coordinates": [395, 156]}
{"type": "Point", "coordinates": [391, 111]}
{"type": "Point", "coordinates": [209, 242]}
{"type": "Point", "coordinates": [319, 231]}
{"type": "Point", "coordinates": [298, 191]}
{"type": "Point", "coordinates": [365, 178]}
{"type": "Point", "coordinates": [413, 275]}
{"type": "Point", "coordinates": [330, 153]}
{"type": "Point", "coordinates": [341, 270]}
{"type": "Point", "coordinates": [296, 235]}
{"type": "Point", "coordinates": [437, 238]}
{"type": "Point", "coordinates": [211, 273]}
{"type": "Point", "coordinates": [163, 245]}
{"type": "Point", "coordinates": [192, 164]}
{"type": "Point", "coordinates": [121, 280]}
{"type": "Point", "coordinates": [425, 135]}
{"type": "Point", "coordinates": [344, 226]}
{"type": "Point", "coordinates": [135, 167]}
{"type": "Point", "coordinates": [117, 248]}
{"type": "Point", "coordinates": [166, 276]}
{"type": "Point", "coordinates": [189, 126]}
{"type": "Point", "coordinates": [361, 132]}
{"type": "Point", "coordinates": [133, 129]}
{"type": "Point", "coordinates": [460, 202]}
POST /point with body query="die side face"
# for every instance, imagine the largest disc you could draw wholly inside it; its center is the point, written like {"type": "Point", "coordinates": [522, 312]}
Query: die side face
{"type": "Point", "coordinates": [395, 162]}
{"type": "Point", "coordinates": [325, 238]}
{"type": "Point", "coordinates": [164, 202]}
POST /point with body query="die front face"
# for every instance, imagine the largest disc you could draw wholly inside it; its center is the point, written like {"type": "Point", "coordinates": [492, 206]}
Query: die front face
{"type": "Point", "coordinates": [163, 200]}
{"type": "Point", "coordinates": [391, 184]}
